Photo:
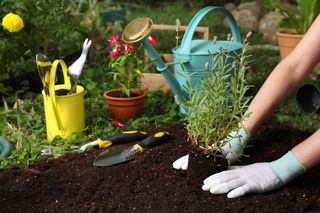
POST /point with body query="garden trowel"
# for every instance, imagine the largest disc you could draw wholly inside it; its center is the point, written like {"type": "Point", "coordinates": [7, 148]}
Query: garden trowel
{"type": "Point", "coordinates": [119, 154]}
{"type": "Point", "coordinates": [124, 137]}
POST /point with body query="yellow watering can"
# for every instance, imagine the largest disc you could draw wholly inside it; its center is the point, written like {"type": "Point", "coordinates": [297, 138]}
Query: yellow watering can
{"type": "Point", "coordinates": [64, 112]}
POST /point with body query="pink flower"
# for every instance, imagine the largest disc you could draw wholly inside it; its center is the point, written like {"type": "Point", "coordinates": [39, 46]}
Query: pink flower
{"type": "Point", "coordinates": [113, 40]}
{"type": "Point", "coordinates": [127, 47]}
{"type": "Point", "coordinates": [115, 52]}
{"type": "Point", "coordinates": [118, 123]}
{"type": "Point", "coordinates": [152, 40]}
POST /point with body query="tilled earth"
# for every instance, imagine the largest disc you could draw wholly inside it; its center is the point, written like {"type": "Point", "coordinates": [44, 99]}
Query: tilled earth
{"type": "Point", "coordinates": [150, 184]}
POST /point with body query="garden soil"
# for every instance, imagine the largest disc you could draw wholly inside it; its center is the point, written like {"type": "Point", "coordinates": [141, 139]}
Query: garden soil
{"type": "Point", "coordinates": [150, 184]}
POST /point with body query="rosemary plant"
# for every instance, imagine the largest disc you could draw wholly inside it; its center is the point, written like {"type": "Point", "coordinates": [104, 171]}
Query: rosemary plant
{"type": "Point", "coordinates": [219, 104]}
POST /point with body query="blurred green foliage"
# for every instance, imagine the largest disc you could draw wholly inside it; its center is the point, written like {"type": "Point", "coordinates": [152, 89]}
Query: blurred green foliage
{"type": "Point", "coordinates": [300, 20]}
{"type": "Point", "coordinates": [48, 29]}
{"type": "Point", "coordinates": [291, 114]}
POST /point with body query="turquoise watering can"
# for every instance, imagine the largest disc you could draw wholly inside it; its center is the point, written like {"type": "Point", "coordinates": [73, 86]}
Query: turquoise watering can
{"type": "Point", "coordinates": [191, 57]}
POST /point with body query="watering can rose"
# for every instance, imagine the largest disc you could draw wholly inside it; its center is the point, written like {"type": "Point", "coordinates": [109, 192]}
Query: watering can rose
{"type": "Point", "coordinates": [12, 22]}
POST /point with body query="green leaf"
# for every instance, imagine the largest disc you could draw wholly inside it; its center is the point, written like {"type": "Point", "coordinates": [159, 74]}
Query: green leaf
{"type": "Point", "coordinates": [308, 11]}
{"type": "Point", "coordinates": [315, 10]}
{"type": "Point", "coordinates": [304, 7]}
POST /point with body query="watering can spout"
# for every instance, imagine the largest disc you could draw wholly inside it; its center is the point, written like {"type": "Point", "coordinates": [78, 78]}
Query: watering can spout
{"type": "Point", "coordinates": [138, 30]}
{"type": "Point", "coordinates": [192, 56]}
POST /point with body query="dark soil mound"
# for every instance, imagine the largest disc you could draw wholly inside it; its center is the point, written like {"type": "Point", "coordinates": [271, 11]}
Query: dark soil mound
{"type": "Point", "coordinates": [150, 184]}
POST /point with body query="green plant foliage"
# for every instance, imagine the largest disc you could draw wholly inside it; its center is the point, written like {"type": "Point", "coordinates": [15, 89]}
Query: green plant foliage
{"type": "Point", "coordinates": [219, 105]}
{"type": "Point", "coordinates": [127, 67]}
{"type": "Point", "coordinates": [308, 11]}
{"type": "Point", "coordinates": [47, 29]}
{"type": "Point", "coordinates": [96, 15]}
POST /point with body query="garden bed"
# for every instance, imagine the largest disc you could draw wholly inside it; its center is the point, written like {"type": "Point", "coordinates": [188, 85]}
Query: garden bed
{"type": "Point", "coordinates": [150, 184]}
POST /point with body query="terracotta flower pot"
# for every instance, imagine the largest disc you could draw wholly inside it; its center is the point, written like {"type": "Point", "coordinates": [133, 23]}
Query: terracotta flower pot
{"type": "Point", "coordinates": [287, 41]}
{"type": "Point", "coordinates": [122, 107]}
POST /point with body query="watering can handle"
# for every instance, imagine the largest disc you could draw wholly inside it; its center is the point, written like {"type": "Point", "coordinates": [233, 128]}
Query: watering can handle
{"type": "Point", "coordinates": [186, 41]}
{"type": "Point", "coordinates": [52, 91]}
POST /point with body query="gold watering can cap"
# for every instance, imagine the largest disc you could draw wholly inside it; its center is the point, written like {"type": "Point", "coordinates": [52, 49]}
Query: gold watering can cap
{"type": "Point", "coordinates": [137, 29]}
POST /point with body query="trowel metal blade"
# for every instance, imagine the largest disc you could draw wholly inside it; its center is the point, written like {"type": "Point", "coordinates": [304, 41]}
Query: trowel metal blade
{"type": "Point", "coordinates": [112, 156]}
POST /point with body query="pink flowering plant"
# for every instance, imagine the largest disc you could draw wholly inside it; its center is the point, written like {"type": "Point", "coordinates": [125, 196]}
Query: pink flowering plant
{"type": "Point", "coordinates": [126, 62]}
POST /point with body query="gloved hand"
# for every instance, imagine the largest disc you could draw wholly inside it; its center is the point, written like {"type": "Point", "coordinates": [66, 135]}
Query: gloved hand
{"type": "Point", "coordinates": [231, 150]}
{"type": "Point", "coordinates": [258, 177]}
{"type": "Point", "coordinates": [181, 163]}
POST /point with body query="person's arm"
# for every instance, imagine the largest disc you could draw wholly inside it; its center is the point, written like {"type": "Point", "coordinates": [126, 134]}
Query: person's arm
{"type": "Point", "coordinates": [285, 78]}
{"type": "Point", "coordinates": [282, 82]}
{"type": "Point", "coordinates": [308, 152]}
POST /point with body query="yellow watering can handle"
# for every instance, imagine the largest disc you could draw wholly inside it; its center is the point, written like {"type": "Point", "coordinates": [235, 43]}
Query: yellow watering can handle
{"type": "Point", "coordinates": [52, 92]}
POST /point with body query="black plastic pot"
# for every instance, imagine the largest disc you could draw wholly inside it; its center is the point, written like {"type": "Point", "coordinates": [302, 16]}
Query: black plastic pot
{"type": "Point", "coordinates": [308, 98]}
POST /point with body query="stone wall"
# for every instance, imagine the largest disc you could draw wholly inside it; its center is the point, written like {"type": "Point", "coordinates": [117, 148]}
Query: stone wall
{"type": "Point", "coordinates": [252, 16]}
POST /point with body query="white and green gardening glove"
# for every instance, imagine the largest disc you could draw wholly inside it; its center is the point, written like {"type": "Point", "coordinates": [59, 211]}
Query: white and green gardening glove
{"type": "Point", "coordinates": [258, 177]}
{"type": "Point", "coordinates": [232, 150]}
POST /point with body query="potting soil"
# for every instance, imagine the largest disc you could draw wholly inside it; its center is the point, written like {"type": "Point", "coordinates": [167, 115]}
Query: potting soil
{"type": "Point", "coordinates": [150, 184]}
